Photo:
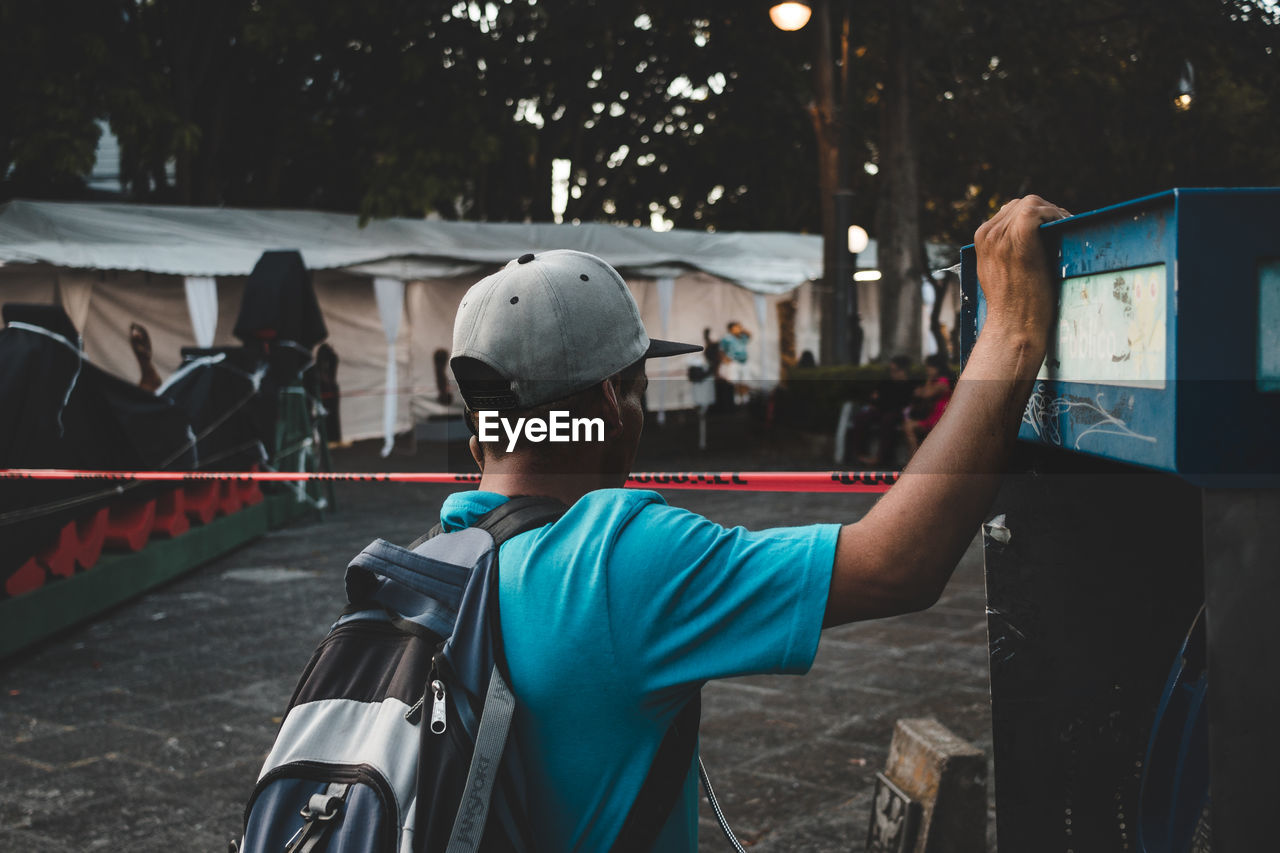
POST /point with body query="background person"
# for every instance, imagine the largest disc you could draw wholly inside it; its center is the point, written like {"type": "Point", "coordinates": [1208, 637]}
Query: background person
{"type": "Point", "coordinates": [733, 349]}
{"type": "Point", "coordinates": [881, 417]}
{"type": "Point", "coordinates": [325, 373]}
{"type": "Point", "coordinates": [140, 343]}
{"type": "Point", "coordinates": [929, 401]}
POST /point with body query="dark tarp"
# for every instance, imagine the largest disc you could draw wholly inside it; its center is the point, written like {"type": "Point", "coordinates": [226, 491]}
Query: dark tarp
{"type": "Point", "coordinates": [279, 303]}
{"type": "Point", "coordinates": [58, 410]}
{"type": "Point", "coordinates": [50, 317]}
{"type": "Point", "coordinates": [233, 416]}
{"type": "Point", "coordinates": [218, 411]}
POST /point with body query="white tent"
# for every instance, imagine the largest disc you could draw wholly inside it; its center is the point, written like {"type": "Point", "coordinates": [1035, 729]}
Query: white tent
{"type": "Point", "coordinates": [390, 286]}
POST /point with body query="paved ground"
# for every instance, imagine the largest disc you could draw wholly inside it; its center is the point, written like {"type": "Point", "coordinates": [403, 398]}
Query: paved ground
{"type": "Point", "coordinates": [145, 729]}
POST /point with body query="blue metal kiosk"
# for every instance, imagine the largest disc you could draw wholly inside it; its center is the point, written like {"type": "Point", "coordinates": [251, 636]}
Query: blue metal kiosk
{"type": "Point", "coordinates": [1133, 559]}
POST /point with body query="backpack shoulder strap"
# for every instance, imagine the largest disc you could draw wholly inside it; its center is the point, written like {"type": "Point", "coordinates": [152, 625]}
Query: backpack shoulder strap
{"type": "Point", "coordinates": [664, 785]}
{"type": "Point", "coordinates": [435, 531]}
{"type": "Point", "coordinates": [521, 513]}
{"type": "Point", "coordinates": [512, 518]}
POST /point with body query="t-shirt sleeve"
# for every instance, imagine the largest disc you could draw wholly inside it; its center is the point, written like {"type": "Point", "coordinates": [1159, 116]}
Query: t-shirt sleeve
{"type": "Point", "coordinates": [690, 600]}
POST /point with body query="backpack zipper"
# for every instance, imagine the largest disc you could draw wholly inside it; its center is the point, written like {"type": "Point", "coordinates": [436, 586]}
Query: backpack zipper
{"type": "Point", "coordinates": [439, 695]}
{"type": "Point", "coordinates": [436, 689]}
{"type": "Point", "coordinates": [438, 721]}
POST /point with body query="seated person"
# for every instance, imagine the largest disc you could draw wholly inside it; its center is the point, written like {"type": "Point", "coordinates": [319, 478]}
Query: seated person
{"type": "Point", "coordinates": [140, 342]}
{"type": "Point", "coordinates": [929, 401]}
{"type": "Point", "coordinates": [881, 417]}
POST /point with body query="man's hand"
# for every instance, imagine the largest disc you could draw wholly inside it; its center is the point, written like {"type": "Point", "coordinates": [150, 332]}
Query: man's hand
{"type": "Point", "coordinates": [901, 555]}
{"type": "Point", "coordinates": [1014, 271]}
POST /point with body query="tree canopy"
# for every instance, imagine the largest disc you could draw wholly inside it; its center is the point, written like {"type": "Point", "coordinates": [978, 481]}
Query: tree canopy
{"type": "Point", "coordinates": [693, 110]}
{"type": "Point", "coordinates": [1079, 102]}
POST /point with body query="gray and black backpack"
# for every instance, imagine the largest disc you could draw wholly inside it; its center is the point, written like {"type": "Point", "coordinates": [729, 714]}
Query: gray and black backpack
{"type": "Point", "coordinates": [398, 736]}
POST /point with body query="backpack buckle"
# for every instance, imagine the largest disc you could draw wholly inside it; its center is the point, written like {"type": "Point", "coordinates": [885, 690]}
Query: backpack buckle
{"type": "Point", "coordinates": [324, 806]}
{"type": "Point", "coordinates": [316, 814]}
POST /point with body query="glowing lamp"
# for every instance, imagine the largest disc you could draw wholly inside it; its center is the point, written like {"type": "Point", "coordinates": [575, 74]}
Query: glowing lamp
{"type": "Point", "coordinates": [790, 16]}
{"type": "Point", "coordinates": [857, 239]}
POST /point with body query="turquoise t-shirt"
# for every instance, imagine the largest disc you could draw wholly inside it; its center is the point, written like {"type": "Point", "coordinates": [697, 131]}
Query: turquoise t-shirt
{"type": "Point", "coordinates": [735, 346]}
{"type": "Point", "coordinates": [613, 617]}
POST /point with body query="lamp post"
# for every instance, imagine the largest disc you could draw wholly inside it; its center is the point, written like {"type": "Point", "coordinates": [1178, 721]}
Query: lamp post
{"type": "Point", "coordinates": [855, 243]}
{"type": "Point", "coordinates": [841, 324]}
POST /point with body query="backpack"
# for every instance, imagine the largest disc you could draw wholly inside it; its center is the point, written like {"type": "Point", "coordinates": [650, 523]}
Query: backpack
{"type": "Point", "coordinates": [405, 706]}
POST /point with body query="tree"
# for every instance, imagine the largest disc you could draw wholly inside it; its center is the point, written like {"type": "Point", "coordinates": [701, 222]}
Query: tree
{"type": "Point", "coordinates": [56, 67]}
{"type": "Point", "coordinates": [388, 107]}
{"type": "Point", "coordinates": [898, 211]}
{"type": "Point", "coordinates": [1077, 103]}
{"type": "Point", "coordinates": [694, 110]}
{"type": "Point", "coordinates": [1072, 101]}
{"type": "Point", "coordinates": [658, 108]}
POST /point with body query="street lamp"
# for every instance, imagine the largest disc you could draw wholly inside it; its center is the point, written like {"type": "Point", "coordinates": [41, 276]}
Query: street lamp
{"type": "Point", "coordinates": [790, 16]}
{"type": "Point", "coordinates": [858, 240]}
{"type": "Point", "coordinates": [1186, 87]}
{"type": "Point", "coordinates": [841, 324]}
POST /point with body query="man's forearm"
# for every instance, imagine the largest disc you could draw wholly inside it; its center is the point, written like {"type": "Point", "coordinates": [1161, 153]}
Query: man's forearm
{"type": "Point", "coordinates": [950, 482]}
{"type": "Point", "coordinates": [900, 556]}
{"type": "Point", "coordinates": [946, 489]}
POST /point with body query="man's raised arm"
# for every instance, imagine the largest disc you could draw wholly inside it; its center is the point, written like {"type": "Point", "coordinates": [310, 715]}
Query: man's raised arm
{"type": "Point", "coordinates": [900, 556]}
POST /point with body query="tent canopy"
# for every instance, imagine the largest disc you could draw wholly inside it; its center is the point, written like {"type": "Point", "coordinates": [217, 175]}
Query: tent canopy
{"type": "Point", "coordinates": [192, 241]}
{"type": "Point", "coordinates": [389, 290]}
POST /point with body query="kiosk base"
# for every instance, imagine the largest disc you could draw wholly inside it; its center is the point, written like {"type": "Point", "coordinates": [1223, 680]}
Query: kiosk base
{"type": "Point", "coordinates": [1242, 588]}
{"type": "Point", "coordinates": [1092, 585]}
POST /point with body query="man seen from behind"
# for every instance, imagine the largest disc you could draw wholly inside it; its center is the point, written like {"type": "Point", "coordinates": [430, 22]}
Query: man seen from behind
{"type": "Point", "coordinates": [614, 616]}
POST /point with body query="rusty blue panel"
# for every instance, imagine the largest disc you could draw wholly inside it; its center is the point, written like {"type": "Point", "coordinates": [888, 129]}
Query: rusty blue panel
{"type": "Point", "coordinates": [1165, 350]}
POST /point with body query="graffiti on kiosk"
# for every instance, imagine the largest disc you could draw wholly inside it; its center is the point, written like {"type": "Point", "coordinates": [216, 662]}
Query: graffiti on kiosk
{"type": "Point", "coordinates": [1087, 416]}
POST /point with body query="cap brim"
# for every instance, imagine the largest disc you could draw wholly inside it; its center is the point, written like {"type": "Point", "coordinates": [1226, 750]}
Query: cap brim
{"type": "Point", "coordinates": [662, 349]}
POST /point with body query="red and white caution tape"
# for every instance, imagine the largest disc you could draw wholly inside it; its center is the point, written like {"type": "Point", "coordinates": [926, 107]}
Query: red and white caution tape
{"type": "Point", "coordinates": [746, 481]}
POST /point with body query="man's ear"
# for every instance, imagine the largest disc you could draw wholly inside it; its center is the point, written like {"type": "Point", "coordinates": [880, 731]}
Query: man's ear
{"type": "Point", "coordinates": [477, 453]}
{"type": "Point", "coordinates": [611, 404]}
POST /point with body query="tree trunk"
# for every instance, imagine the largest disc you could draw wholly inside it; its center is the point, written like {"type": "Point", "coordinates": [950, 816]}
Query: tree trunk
{"type": "Point", "coordinates": [180, 51]}
{"type": "Point", "coordinates": [540, 208]}
{"type": "Point", "coordinates": [822, 111]}
{"type": "Point", "coordinates": [787, 329]}
{"type": "Point", "coordinates": [898, 212]}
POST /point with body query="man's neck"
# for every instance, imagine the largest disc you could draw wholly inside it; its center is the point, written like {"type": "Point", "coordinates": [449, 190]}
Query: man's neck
{"type": "Point", "coordinates": [566, 488]}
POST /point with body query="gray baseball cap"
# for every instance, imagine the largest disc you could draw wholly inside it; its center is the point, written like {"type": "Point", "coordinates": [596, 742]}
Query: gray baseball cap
{"type": "Point", "coordinates": [545, 326]}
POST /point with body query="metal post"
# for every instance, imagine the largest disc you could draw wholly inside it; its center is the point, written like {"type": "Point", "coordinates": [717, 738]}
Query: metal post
{"type": "Point", "coordinates": [841, 277]}
{"type": "Point", "coordinates": [848, 323]}
{"type": "Point", "coordinates": [848, 330]}
{"type": "Point", "coordinates": [827, 123]}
